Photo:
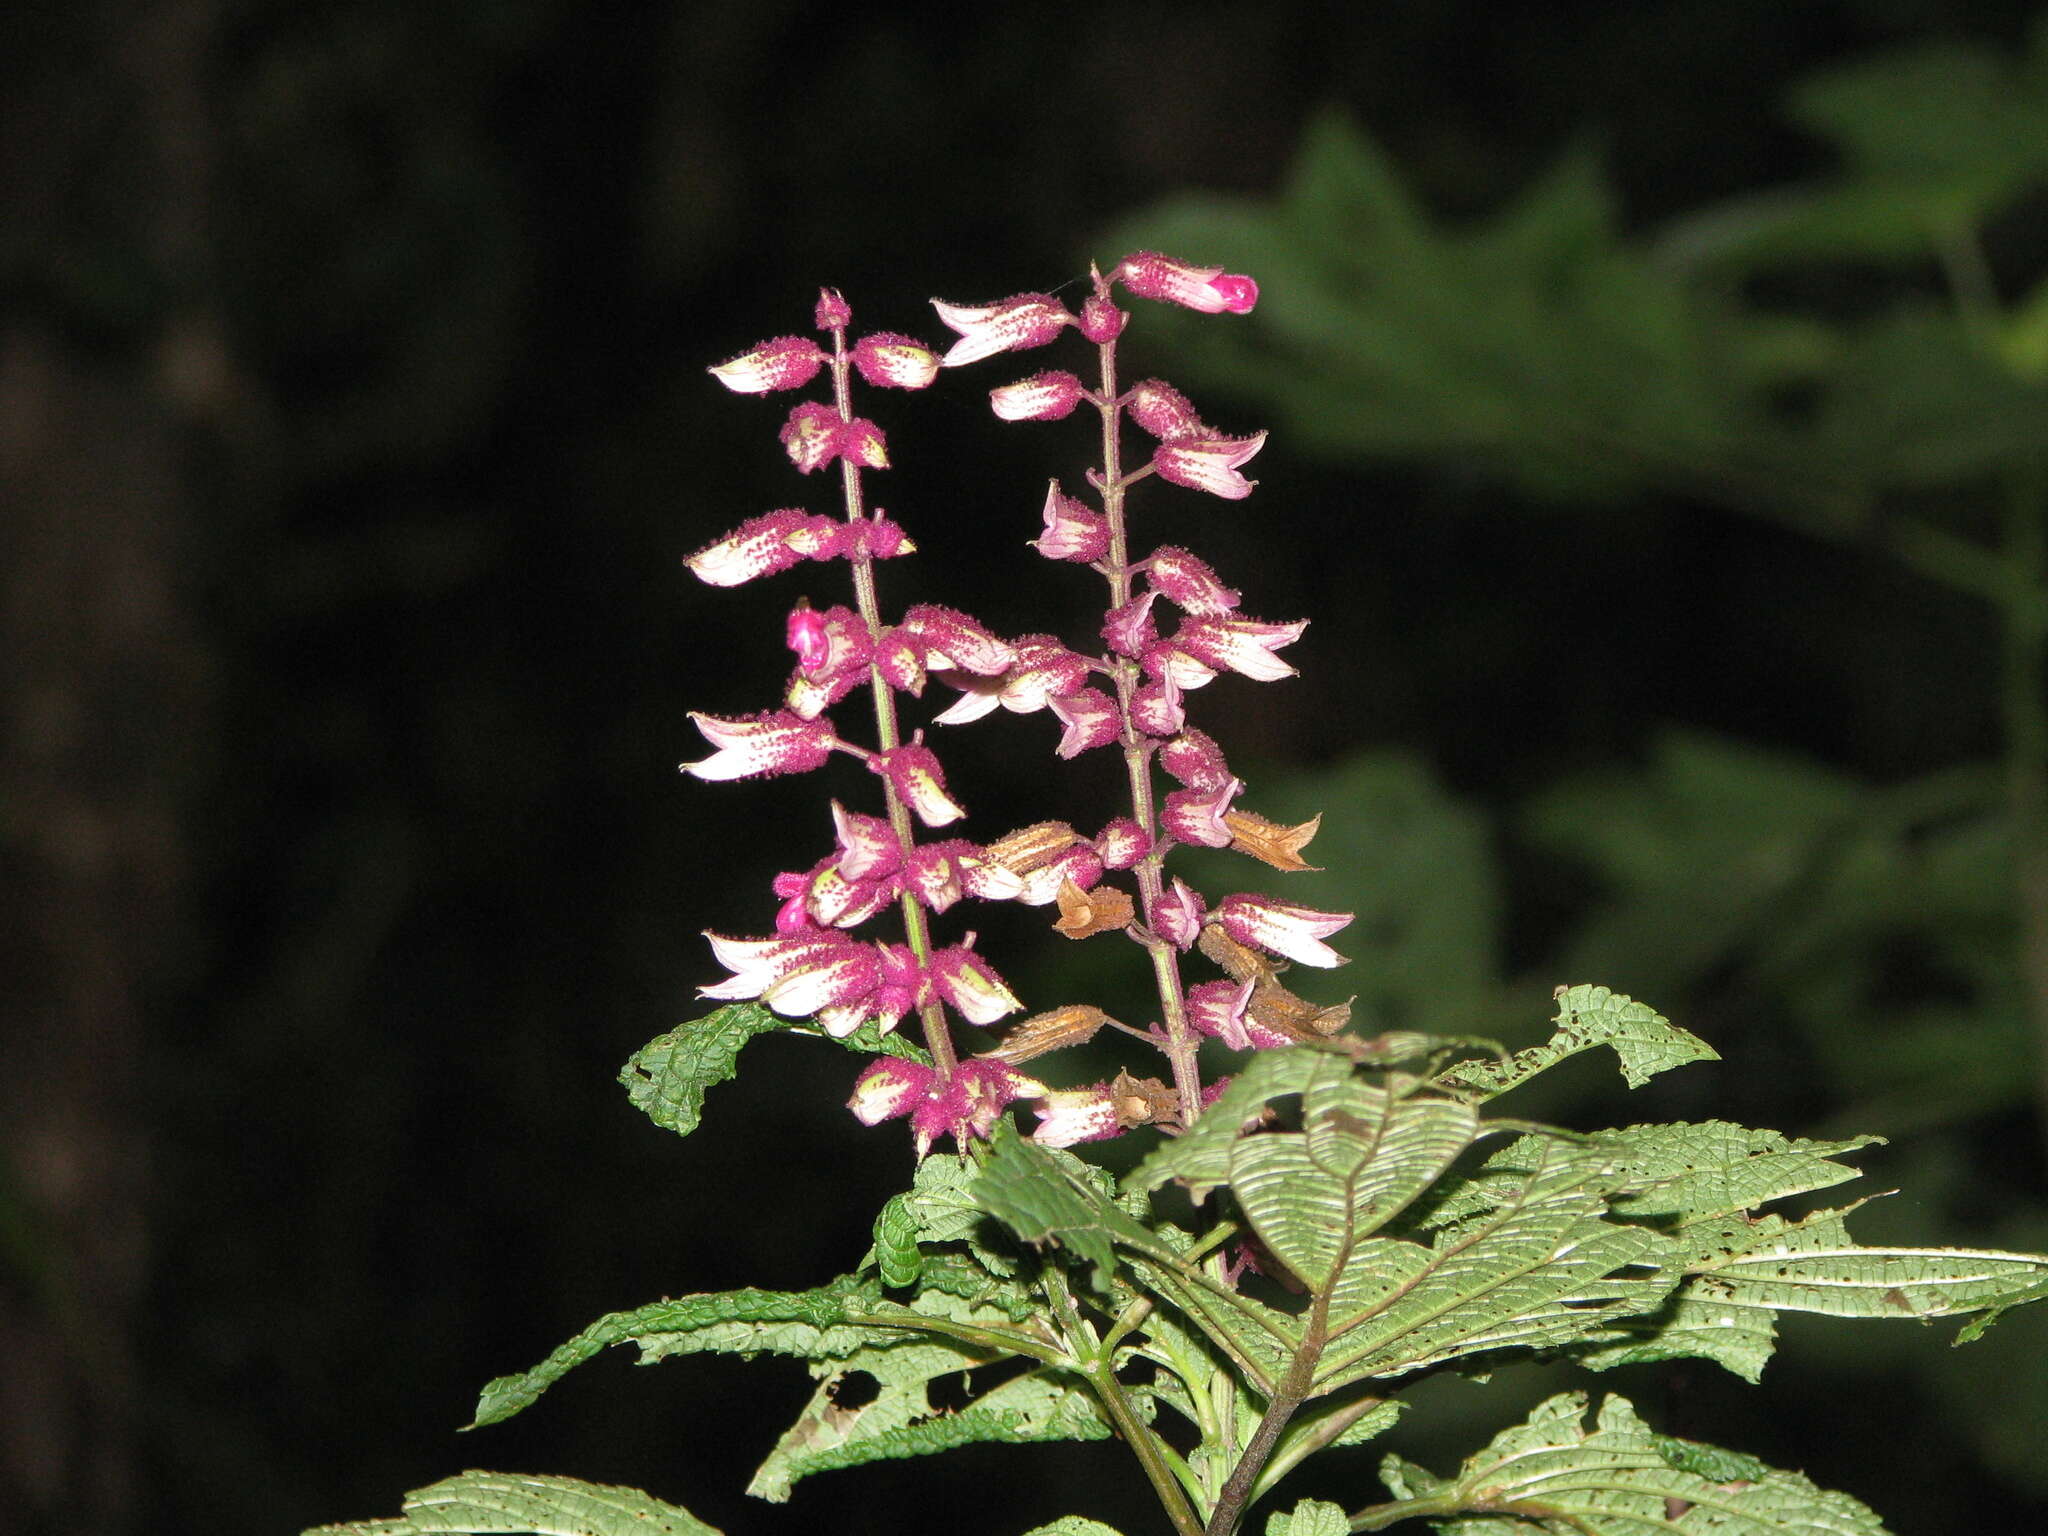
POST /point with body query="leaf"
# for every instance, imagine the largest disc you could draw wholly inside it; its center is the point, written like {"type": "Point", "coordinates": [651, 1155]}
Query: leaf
{"type": "Point", "coordinates": [896, 1252]}
{"type": "Point", "coordinates": [1537, 1269]}
{"type": "Point", "coordinates": [1617, 1479]}
{"type": "Point", "coordinates": [811, 1324]}
{"type": "Point", "coordinates": [1045, 1195]}
{"type": "Point", "coordinates": [510, 1503]}
{"type": "Point", "coordinates": [1200, 1157]}
{"type": "Point", "coordinates": [1361, 1157]}
{"type": "Point", "coordinates": [1814, 1266]}
{"type": "Point", "coordinates": [900, 1420]}
{"type": "Point", "coordinates": [1646, 1042]}
{"type": "Point", "coordinates": [667, 1078]}
{"type": "Point", "coordinates": [1311, 1517]}
{"type": "Point", "coordinates": [1073, 1525]}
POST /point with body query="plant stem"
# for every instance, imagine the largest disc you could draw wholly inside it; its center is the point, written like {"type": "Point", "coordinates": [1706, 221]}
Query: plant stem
{"type": "Point", "coordinates": [1137, 751]}
{"type": "Point", "coordinates": [938, 1039]}
{"type": "Point", "coordinates": [1288, 1395]}
{"type": "Point", "coordinates": [1098, 1368]}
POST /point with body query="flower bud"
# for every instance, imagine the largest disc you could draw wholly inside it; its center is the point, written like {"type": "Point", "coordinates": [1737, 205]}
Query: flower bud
{"type": "Point", "coordinates": [1196, 815]}
{"type": "Point", "coordinates": [1129, 629]}
{"type": "Point", "coordinates": [1048, 396]}
{"type": "Point", "coordinates": [833, 313]}
{"type": "Point", "coordinates": [1178, 917]}
{"type": "Point", "coordinates": [787, 362]}
{"type": "Point", "coordinates": [1101, 321]}
{"type": "Point", "coordinates": [1189, 584]}
{"type": "Point", "coordinates": [1164, 411]}
{"type": "Point", "coordinates": [889, 361]}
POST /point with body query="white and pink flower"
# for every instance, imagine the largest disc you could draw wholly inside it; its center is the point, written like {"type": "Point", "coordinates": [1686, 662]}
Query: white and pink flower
{"type": "Point", "coordinates": [760, 745]}
{"type": "Point", "coordinates": [1282, 928]}
{"type": "Point", "coordinates": [1210, 290]}
{"type": "Point", "coordinates": [787, 362]}
{"type": "Point", "coordinates": [1208, 463]}
{"type": "Point", "coordinates": [1010, 325]}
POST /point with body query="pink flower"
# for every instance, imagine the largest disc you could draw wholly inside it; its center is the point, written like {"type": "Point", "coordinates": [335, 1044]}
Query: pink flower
{"type": "Point", "coordinates": [1244, 646]}
{"type": "Point", "coordinates": [1076, 864]}
{"type": "Point", "coordinates": [873, 538]}
{"type": "Point", "coordinates": [1013, 324]}
{"type": "Point", "coordinates": [811, 436]}
{"type": "Point", "coordinates": [888, 1088]}
{"type": "Point", "coordinates": [1282, 928]}
{"type": "Point", "coordinates": [1156, 707]}
{"type": "Point", "coordinates": [890, 361]}
{"type": "Point", "coordinates": [1071, 1116]}
{"type": "Point", "coordinates": [1043, 668]}
{"type": "Point", "coordinates": [1164, 411]}
{"type": "Point", "coordinates": [1090, 720]}
{"type": "Point", "coordinates": [805, 632]}
{"type": "Point", "coordinates": [763, 545]}
{"type": "Point", "coordinates": [1189, 584]}
{"type": "Point", "coordinates": [798, 977]}
{"type": "Point", "coordinates": [787, 362]}
{"type": "Point", "coordinates": [953, 640]}
{"type": "Point", "coordinates": [914, 771]}
{"type": "Point", "coordinates": [970, 985]}
{"type": "Point", "coordinates": [1178, 917]}
{"type": "Point", "coordinates": [780, 742]}
{"type": "Point", "coordinates": [836, 663]}
{"type": "Point", "coordinates": [1208, 464]}
{"type": "Point", "coordinates": [757, 964]}
{"type": "Point", "coordinates": [1048, 396]}
{"type": "Point", "coordinates": [867, 844]}
{"type": "Point", "coordinates": [965, 1107]}
{"type": "Point", "coordinates": [1217, 1009]}
{"type": "Point", "coordinates": [1208, 289]}
{"type": "Point", "coordinates": [1129, 630]}
{"type": "Point", "coordinates": [1196, 815]}
{"type": "Point", "coordinates": [1121, 843]}
{"type": "Point", "coordinates": [1072, 530]}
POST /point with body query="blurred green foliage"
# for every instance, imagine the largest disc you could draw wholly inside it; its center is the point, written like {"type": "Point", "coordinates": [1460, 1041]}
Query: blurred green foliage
{"type": "Point", "coordinates": [1861, 357]}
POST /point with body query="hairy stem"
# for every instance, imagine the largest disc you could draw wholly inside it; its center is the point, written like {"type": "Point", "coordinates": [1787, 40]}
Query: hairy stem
{"type": "Point", "coordinates": [1288, 1395]}
{"type": "Point", "coordinates": [1137, 752]}
{"type": "Point", "coordinates": [938, 1039]}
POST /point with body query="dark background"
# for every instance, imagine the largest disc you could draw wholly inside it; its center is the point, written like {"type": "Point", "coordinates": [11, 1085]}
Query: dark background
{"type": "Point", "coordinates": [352, 427]}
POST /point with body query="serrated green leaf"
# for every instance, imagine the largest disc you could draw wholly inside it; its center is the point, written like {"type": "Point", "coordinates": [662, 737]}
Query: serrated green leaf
{"type": "Point", "coordinates": [1615, 1479]}
{"type": "Point", "coordinates": [1539, 1270]}
{"type": "Point", "coordinates": [1045, 1195]}
{"type": "Point", "coordinates": [1073, 1525]}
{"type": "Point", "coordinates": [900, 1420]}
{"type": "Point", "coordinates": [1680, 1174]}
{"type": "Point", "coordinates": [1814, 1266]}
{"type": "Point", "coordinates": [514, 1504]}
{"type": "Point", "coordinates": [1311, 1517]}
{"type": "Point", "coordinates": [666, 1078]}
{"type": "Point", "coordinates": [1361, 1157]}
{"type": "Point", "coordinates": [1587, 1016]}
{"type": "Point", "coordinates": [896, 1252]}
{"type": "Point", "coordinates": [1200, 1156]}
{"type": "Point", "coordinates": [810, 1324]}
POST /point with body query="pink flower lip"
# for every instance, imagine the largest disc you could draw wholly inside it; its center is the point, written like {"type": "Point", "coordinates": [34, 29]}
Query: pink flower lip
{"type": "Point", "coordinates": [1208, 464]}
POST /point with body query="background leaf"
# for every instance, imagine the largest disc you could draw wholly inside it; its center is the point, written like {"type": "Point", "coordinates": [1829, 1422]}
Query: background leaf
{"type": "Point", "coordinates": [513, 1504]}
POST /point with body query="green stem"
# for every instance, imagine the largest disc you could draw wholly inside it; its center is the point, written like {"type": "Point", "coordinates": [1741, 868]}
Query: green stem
{"type": "Point", "coordinates": [1097, 1367]}
{"type": "Point", "coordinates": [1182, 1041]}
{"type": "Point", "coordinates": [938, 1039]}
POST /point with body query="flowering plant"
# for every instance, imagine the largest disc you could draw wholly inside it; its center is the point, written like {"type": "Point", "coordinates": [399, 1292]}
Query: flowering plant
{"type": "Point", "coordinates": [1324, 1213]}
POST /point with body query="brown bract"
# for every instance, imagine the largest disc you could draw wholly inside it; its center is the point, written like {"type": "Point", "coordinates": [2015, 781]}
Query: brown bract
{"type": "Point", "coordinates": [1269, 842]}
{"type": "Point", "coordinates": [1084, 913]}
